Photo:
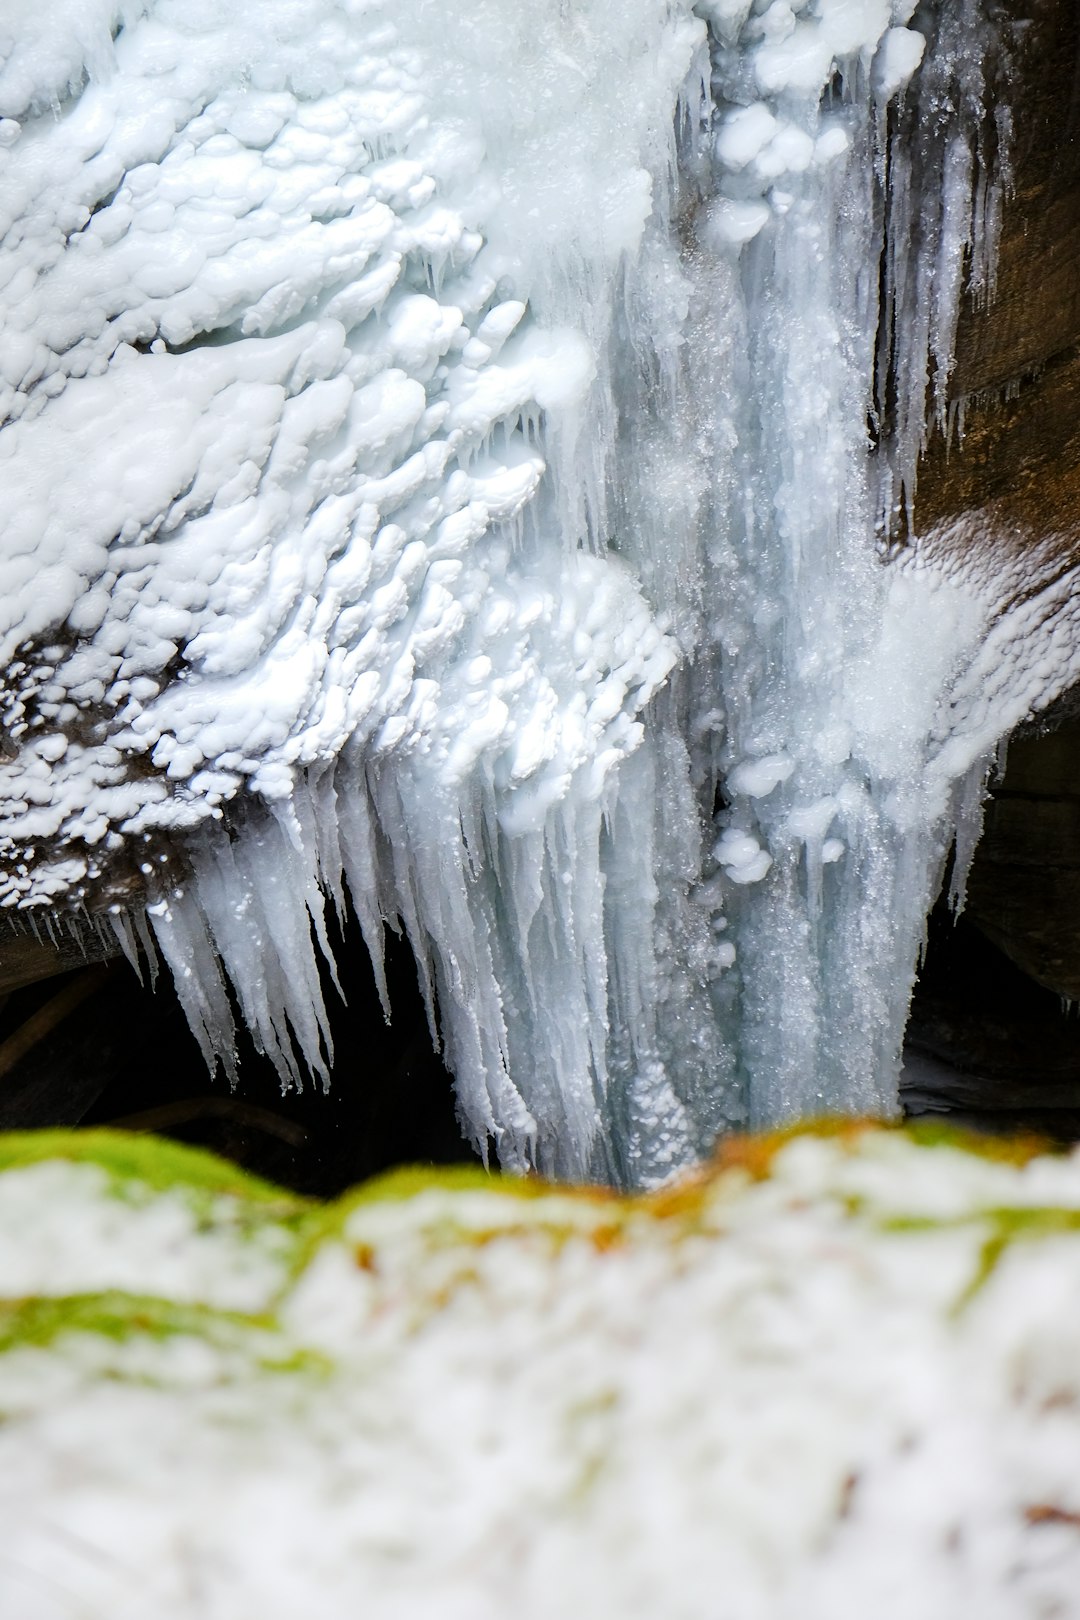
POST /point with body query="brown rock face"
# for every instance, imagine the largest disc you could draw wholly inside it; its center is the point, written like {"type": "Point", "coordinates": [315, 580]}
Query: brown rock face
{"type": "Point", "coordinates": [1018, 361]}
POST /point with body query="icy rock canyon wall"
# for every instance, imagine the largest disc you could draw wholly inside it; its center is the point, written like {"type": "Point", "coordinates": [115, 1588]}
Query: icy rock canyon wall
{"type": "Point", "coordinates": [467, 462]}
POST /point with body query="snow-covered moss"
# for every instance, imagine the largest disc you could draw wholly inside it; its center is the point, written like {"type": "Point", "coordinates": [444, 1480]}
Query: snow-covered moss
{"type": "Point", "coordinates": [836, 1374]}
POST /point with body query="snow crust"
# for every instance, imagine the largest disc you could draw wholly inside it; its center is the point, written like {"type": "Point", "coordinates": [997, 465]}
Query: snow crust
{"type": "Point", "coordinates": [245, 308]}
{"type": "Point", "coordinates": [90, 1238]}
{"type": "Point", "coordinates": [847, 1387]}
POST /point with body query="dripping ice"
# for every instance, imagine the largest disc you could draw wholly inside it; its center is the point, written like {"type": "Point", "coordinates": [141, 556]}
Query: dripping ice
{"type": "Point", "coordinates": [836, 671]}
{"type": "Point", "coordinates": [459, 483]}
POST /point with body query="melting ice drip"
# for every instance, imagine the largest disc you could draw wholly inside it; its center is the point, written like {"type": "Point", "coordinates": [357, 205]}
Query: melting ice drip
{"type": "Point", "coordinates": [419, 489]}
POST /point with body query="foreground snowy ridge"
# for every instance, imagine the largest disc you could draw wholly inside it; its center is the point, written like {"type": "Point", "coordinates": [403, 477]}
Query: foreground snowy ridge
{"type": "Point", "coordinates": [835, 1376]}
{"type": "Point", "coordinates": [423, 482]}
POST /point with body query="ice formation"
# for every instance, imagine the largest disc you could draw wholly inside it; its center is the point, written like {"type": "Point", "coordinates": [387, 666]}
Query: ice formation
{"type": "Point", "coordinates": [435, 464]}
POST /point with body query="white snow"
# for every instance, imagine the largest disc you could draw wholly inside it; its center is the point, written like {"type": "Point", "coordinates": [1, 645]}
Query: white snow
{"type": "Point", "coordinates": [844, 1383]}
{"type": "Point", "coordinates": [91, 1237]}
{"type": "Point", "coordinates": [898, 55]}
{"type": "Point", "coordinates": [758, 777]}
{"type": "Point", "coordinates": [741, 856]}
{"type": "Point", "coordinates": [744, 133]}
{"type": "Point", "coordinates": [728, 222]}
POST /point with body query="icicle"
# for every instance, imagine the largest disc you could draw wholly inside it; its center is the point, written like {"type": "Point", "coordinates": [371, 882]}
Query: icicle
{"type": "Point", "coordinates": [181, 933]}
{"type": "Point", "coordinates": [125, 935]}
{"type": "Point", "coordinates": [592, 1021]}
{"type": "Point", "coordinates": [968, 816]}
{"type": "Point", "coordinates": [827, 658]}
{"type": "Point", "coordinates": [146, 940]}
{"type": "Point", "coordinates": [948, 166]}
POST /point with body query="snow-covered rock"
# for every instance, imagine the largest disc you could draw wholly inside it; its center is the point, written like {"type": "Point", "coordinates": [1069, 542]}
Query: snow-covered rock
{"type": "Point", "coordinates": [269, 413]}
{"type": "Point", "coordinates": [836, 1375]}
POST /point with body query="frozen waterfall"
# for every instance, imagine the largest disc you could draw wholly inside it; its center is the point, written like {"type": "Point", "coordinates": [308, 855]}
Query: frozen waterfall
{"type": "Point", "coordinates": [458, 460]}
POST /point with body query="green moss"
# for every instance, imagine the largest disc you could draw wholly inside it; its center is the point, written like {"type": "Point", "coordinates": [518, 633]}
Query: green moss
{"type": "Point", "coordinates": [1012, 1225]}
{"type": "Point", "coordinates": [162, 1165]}
{"type": "Point", "coordinates": [755, 1150]}
{"type": "Point", "coordinates": [38, 1321]}
{"type": "Point", "coordinates": [155, 1161]}
{"type": "Point", "coordinates": [302, 1363]}
{"type": "Point", "coordinates": [325, 1224]}
{"type": "Point", "coordinates": [1005, 1223]}
{"type": "Point", "coordinates": [140, 1165]}
{"type": "Point", "coordinates": [119, 1317]}
{"type": "Point", "coordinates": [395, 1186]}
{"type": "Point", "coordinates": [1020, 1221]}
{"type": "Point", "coordinates": [1015, 1150]}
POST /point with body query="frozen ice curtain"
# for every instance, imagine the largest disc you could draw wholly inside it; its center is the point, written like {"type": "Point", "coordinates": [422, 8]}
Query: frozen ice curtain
{"type": "Point", "coordinates": [436, 469]}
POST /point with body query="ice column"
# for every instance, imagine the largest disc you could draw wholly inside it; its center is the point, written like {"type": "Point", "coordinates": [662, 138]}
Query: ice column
{"type": "Point", "coordinates": [849, 157]}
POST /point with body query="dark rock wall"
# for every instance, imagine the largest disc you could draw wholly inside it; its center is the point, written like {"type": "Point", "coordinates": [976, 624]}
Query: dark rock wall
{"type": "Point", "coordinates": [1018, 360]}
{"type": "Point", "coordinates": [1024, 888]}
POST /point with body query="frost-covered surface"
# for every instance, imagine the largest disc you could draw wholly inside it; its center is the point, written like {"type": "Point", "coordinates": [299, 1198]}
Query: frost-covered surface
{"type": "Point", "coordinates": [256, 360]}
{"type": "Point", "coordinates": [423, 480]}
{"type": "Point", "coordinates": [834, 1379]}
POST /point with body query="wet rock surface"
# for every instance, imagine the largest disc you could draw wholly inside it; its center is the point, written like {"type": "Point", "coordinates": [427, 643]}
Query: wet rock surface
{"type": "Point", "coordinates": [1017, 374]}
{"type": "Point", "coordinates": [1024, 892]}
{"type": "Point", "coordinates": [994, 1032]}
{"type": "Point", "coordinates": [986, 1044]}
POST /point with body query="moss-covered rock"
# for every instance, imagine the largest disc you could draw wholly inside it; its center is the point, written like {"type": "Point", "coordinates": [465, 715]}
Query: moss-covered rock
{"type": "Point", "coordinates": [835, 1374]}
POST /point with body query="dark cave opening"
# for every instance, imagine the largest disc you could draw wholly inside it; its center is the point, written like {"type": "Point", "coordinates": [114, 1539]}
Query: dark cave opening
{"type": "Point", "coordinates": [994, 1036]}
{"type": "Point", "coordinates": [91, 1047]}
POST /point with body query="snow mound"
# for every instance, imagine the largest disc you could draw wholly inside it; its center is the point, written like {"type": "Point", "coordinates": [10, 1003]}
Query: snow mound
{"type": "Point", "coordinates": [836, 1375]}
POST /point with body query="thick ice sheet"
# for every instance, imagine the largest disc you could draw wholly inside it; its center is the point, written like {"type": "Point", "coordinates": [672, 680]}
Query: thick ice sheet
{"type": "Point", "coordinates": [864, 674]}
